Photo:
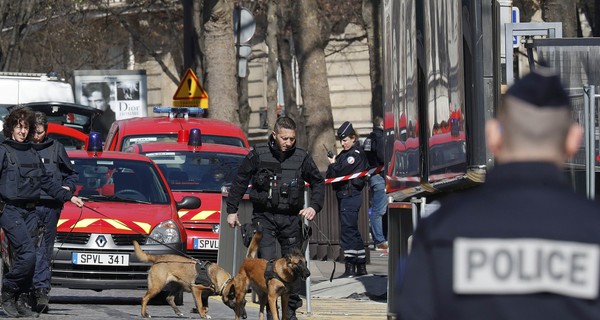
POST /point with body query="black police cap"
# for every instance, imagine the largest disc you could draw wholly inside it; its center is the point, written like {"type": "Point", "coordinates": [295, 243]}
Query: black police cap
{"type": "Point", "coordinates": [345, 130]}
{"type": "Point", "coordinates": [542, 88]}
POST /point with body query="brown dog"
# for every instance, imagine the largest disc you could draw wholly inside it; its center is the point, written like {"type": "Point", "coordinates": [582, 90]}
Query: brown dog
{"type": "Point", "coordinates": [268, 286]}
{"type": "Point", "coordinates": [170, 268]}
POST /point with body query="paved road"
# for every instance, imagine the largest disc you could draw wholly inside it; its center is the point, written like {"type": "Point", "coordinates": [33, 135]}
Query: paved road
{"type": "Point", "coordinates": [123, 304]}
{"type": "Point", "coordinates": [358, 298]}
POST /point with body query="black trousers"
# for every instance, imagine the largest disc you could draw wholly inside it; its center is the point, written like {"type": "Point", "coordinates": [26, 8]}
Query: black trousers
{"type": "Point", "coordinates": [287, 231]}
{"type": "Point", "coordinates": [20, 227]}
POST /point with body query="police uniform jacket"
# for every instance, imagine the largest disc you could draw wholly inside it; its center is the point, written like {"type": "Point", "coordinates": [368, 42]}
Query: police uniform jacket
{"type": "Point", "coordinates": [251, 164]}
{"type": "Point", "coordinates": [57, 164]}
{"type": "Point", "coordinates": [24, 180]}
{"type": "Point", "coordinates": [348, 162]}
{"type": "Point", "coordinates": [522, 246]}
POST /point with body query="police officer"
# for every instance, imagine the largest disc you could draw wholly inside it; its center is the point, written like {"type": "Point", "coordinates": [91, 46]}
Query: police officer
{"type": "Point", "coordinates": [22, 177]}
{"type": "Point", "coordinates": [374, 145]}
{"type": "Point", "coordinates": [58, 166]}
{"type": "Point", "coordinates": [278, 170]}
{"type": "Point", "coordinates": [523, 245]}
{"type": "Point", "coordinates": [351, 159]}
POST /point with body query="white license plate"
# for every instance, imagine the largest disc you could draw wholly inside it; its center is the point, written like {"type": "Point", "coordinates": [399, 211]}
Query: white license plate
{"type": "Point", "coordinates": [100, 259]}
{"type": "Point", "coordinates": [206, 244]}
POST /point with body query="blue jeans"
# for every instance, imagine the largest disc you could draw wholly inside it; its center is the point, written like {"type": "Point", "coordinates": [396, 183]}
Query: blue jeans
{"type": "Point", "coordinates": [378, 207]}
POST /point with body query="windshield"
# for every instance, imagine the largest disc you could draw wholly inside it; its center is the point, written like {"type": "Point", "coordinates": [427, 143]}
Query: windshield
{"type": "Point", "coordinates": [206, 138]}
{"type": "Point", "coordinates": [197, 171]}
{"type": "Point", "coordinates": [119, 181]}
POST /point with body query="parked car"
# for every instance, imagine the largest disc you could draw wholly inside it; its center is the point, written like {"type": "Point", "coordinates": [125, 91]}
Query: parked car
{"type": "Point", "coordinates": [200, 171]}
{"type": "Point", "coordinates": [126, 198]}
{"type": "Point", "coordinates": [124, 133]}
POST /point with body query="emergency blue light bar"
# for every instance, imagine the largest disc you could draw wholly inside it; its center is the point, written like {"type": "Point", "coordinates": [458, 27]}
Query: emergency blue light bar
{"type": "Point", "coordinates": [195, 139]}
{"type": "Point", "coordinates": [181, 110]}
{"type": "Point", "coordinates": [94, 142]}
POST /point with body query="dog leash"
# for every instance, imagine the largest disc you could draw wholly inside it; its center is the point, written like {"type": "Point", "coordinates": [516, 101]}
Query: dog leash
{"type": "Point", "coordinates": [147, 236]}
{"type": "Point", "coordinates": [329, 244]}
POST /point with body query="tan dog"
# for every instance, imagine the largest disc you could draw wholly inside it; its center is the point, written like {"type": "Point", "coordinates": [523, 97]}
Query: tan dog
{"type": "Point", "coordinates": [252, 273]}
{"type": "Point", "coordinates": [170, 268]}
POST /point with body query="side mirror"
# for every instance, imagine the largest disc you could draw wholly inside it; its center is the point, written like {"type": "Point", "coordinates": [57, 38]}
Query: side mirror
{"type": "Point", "coordinates": [189, 203]}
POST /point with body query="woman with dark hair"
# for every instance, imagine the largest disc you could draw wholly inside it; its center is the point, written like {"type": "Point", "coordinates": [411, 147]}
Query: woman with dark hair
{"type": "Point", "coordinates": [22, 178]}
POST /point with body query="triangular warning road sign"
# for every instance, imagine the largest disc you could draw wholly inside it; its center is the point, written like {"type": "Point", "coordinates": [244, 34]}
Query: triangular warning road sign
{"type": "Point", "coordinates": [190, 88]}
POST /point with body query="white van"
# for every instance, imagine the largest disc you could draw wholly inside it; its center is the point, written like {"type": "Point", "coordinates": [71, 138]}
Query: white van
{"type": "Point", "coordinates": [19, 88]}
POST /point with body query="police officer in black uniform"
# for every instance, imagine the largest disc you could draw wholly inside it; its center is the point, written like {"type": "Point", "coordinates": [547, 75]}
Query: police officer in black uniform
{"type": "Point", "coordinates": [351, 159]}
{"type": "Point", "coordinates": [58, 166]}
{"type": "Point", "coordinates": [523, 245]}
{"type": "Point", "coordinates": [22, 177]}
{"type": "Point", "coordinates": [278, 170]}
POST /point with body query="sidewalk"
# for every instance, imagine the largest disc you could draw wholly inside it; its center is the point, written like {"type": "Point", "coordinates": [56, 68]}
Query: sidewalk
{"type": "Point", "coordinates": [362, 297]}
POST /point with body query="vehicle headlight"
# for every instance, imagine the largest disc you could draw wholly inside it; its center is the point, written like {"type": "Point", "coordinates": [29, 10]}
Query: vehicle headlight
{"type": "Point", "coordinates": [164, 232]}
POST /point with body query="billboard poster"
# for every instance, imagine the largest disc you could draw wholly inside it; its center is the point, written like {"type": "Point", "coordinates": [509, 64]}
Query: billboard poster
{"type": "Point", "coordinates": [124, 91]}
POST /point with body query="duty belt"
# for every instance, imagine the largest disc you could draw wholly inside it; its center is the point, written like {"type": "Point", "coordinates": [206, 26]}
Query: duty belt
{"type": "Point", "coordinates": [25, 204]}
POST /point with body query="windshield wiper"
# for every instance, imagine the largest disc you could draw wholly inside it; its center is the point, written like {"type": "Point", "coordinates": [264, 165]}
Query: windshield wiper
{"type": "Point", "coordinates": [121, 199]}
{"type": "Point", "coordinates": [101, 198]}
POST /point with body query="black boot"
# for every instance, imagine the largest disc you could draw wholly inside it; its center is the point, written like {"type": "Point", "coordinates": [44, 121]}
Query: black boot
{"type": "Point", "coordinates": [9, 302]}
{"type": "Point", "coordinates": [23, 308]}
{"type": "Point", "coordinates": [361, 269]}
{"type": "Point", "coordinates": [41, 300]}
{"type": "Point", "coordinates": [350, 270]}
{"type": "Point", "coordinates": [291, 314]}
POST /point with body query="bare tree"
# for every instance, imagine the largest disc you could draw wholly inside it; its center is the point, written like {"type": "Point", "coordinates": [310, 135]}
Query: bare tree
{"type": "Point", "coordinates": [313, 78]}
{"type": "Point", "coordinates": [220, 60]}
{"type": "Point", "coordinates": [564, 11]}
{"type": "Point", "coordinates": [272, 61]}
{"type": "Point", "coordinates": [286, 62]}
{"type": "Point", "coordinates": [15, 17]}
{"type": "Point", "coordinates": [370, 13]}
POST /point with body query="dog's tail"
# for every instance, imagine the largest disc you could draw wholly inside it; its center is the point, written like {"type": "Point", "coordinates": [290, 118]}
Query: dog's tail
{"type": "Point", "coordinates": [253, 247]}
{"type": "Point", "coordinates": [141, 255]}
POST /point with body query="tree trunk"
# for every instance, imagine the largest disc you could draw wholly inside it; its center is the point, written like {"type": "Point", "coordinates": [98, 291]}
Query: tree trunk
{"type": "Point", "coordinates": [284, 45]}
{"type": "Point", "coordinates": [271, 41]}
{"type": "Point", "coordinates": [372, 24]}
{"type": "Point", "coordinates": [313, 79]}
{"type": "Point", "coordinates": [220, 63]}
{"type": "Point", "coordinates": [564, 11]}
{"type": "Point", "coordinates": [22, 13]}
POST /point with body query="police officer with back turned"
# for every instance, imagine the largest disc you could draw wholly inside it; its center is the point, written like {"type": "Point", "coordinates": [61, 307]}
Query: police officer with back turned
{"type": "Point", "coordinates": [22, 177]}
{"type": "Point", "coordinates": [523, 245]}
{"type": "Point", "coordinates": [278, 170]}
{"type": "Point", "coordinates": [58, 166]}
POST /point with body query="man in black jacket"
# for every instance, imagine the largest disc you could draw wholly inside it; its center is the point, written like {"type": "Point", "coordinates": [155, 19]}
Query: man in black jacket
{"type": "Point", "coordinates": [523, 245]}
{"type": "Point", "coordinates": [374, 146]}
{"type": "Point", "coordinates": [278, 170]}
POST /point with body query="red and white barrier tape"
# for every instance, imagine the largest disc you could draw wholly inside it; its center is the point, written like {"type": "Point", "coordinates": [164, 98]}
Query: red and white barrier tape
{"type": "Point", "coordinates": [354, 175]}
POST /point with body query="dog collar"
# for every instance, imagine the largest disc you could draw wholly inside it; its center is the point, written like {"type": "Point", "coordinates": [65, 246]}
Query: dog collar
{"type": "Point", "coordinates": [224, 285]}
